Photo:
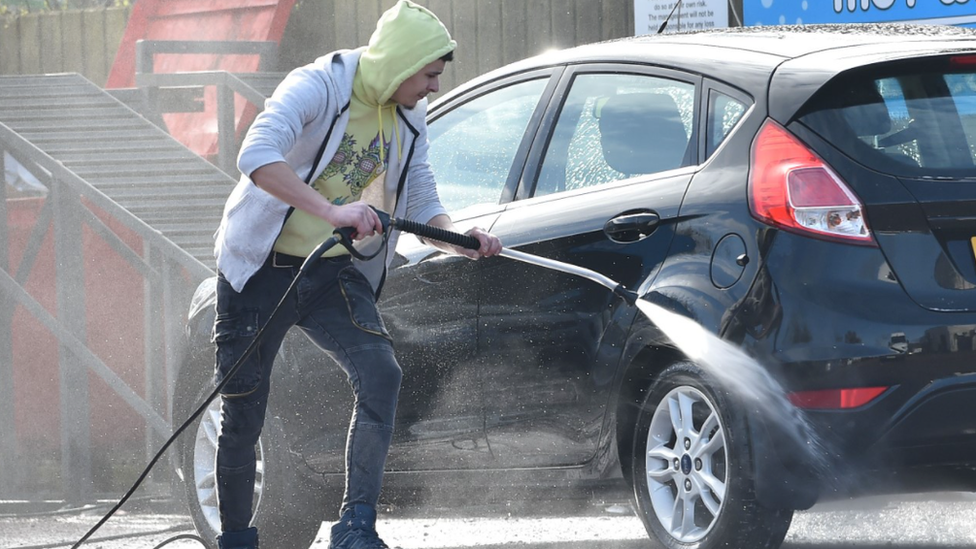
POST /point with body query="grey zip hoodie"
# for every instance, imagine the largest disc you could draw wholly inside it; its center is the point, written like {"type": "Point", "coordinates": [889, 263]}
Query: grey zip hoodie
{"type": "Point", "coordinates": [309, 107]}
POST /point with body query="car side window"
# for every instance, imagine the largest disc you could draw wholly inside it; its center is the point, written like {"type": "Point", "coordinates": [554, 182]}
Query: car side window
{"type": "Point", "coordinates": [724, 112]}
{"type": "Point", "coordinates": [472, 147]}
{"type": "Point", "coordinates": [616, 126]}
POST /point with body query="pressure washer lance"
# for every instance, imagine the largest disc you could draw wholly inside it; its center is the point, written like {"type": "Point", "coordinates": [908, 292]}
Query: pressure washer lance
{"type": "Point", "coordinates": [344, 236]}
{"type": "Point", "coordinates": [472, 243]}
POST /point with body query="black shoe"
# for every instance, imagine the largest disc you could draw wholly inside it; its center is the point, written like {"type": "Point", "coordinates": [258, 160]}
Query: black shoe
{"type": "Point", "coordinates": [244, 539]}
{"type": "Point", "coordinates": [356, 530]}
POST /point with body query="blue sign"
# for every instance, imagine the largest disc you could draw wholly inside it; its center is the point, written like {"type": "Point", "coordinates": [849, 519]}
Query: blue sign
{"type": "Point", "coordinates": [802, 12]}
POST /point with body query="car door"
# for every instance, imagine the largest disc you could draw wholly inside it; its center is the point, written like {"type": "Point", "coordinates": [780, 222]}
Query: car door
{"type": "Point", "coordinates": [430, 301]}
{"type": "Point", "coordinates": [614, 156]}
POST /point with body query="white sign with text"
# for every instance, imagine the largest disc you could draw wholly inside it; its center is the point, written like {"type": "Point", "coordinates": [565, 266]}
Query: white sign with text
{"type": "Point", "coordinates": [690, 15]}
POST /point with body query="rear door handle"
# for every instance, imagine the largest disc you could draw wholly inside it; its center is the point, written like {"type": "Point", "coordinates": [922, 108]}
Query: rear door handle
{"type": "Point", "coordinates": [631, 227]}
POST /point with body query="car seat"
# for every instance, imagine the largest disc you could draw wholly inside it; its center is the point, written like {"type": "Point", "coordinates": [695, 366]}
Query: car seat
{"type": "Point", "coordinates": [867, 115]}
{"type": "Point", "coordinates": [642, 133]}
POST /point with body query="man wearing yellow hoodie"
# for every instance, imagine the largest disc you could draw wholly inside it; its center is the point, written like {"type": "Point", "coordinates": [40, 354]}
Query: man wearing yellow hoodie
{"type": "Point", "coordinates": [337, 136]}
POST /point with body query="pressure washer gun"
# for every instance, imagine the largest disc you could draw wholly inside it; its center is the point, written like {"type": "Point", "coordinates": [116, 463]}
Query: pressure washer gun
{"type": "Point", "coordinates": [429, 232]}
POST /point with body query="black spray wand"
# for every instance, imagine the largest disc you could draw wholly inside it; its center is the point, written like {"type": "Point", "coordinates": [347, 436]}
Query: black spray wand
{"type": "Point", "coordinates": [466, 241]}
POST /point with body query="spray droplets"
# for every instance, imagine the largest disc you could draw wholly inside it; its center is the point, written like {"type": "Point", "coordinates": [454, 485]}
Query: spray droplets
{"type": "Point", "coordinates": [739, 374]}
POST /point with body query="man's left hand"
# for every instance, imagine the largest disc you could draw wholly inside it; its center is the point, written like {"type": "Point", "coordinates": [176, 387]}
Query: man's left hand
{"type": "Point", "coordinates": [490, 245]}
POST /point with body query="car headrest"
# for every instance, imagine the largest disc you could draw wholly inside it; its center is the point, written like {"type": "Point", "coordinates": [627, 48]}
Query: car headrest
{"type": "Point", "coordinates": [642, 133]}
{"type": "Point", "coordinates": [865, 110]}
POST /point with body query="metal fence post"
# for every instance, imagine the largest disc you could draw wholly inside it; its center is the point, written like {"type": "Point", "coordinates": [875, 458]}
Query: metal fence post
{"type": "Point", "coordinates": [175, 301]}
{"type": "Point", "coordinates": [226, 130]}
{"type": "Point", "coordinates": [76, 471]}
{"type": "Point", "coordinates": [155, 361]}
{"type": "Point", "coordinates": [8, 431]}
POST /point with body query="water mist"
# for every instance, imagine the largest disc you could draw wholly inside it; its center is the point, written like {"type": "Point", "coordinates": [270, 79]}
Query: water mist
{"type": "Point", "coordinates": [731, 367]}
{"type": "Point", "coordinates": [739, 374]}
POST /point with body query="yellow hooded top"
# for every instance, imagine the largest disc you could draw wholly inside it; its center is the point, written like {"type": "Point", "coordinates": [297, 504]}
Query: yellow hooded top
{"type": "Point", "coordinates": [407, 38]}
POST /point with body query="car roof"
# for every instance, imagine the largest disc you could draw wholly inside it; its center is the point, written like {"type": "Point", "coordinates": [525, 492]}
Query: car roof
{"type": "Point", "coordinates": [748, 57]}
{"type": "Point", "coordinates": [775, 43]}
{"type": "Point", "coordinates": [791, 41]}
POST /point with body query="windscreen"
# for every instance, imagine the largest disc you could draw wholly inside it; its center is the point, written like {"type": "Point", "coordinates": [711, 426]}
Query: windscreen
{"type": "Point", "coordinates": [914, 118]}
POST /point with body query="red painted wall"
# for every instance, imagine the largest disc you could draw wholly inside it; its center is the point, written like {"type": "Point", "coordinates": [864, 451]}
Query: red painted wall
{"type": "Point", "coordinates": [218, 20]}
{"type": "Point", "coordinates": [114, 297]}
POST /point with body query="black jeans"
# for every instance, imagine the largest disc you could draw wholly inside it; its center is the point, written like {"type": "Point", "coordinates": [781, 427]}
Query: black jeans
{"type": "Point", "coordinates": [334, 306]}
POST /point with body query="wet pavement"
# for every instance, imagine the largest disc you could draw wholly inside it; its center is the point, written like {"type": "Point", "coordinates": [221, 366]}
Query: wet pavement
{"type": "Point", "coordinates": [914, 522]}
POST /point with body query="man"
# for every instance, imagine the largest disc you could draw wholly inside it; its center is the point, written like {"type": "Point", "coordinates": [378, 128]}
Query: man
{"type": "Point", "coordinates": [339, 135]}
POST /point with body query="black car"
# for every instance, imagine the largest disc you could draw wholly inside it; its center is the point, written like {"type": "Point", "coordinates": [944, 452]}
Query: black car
{"type": "Point", "coordinates": [807, 194]}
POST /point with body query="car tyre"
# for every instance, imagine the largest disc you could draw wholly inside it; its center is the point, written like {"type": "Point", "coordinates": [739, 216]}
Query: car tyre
{"type": "Point", "coordinates": [288, 508]}
{"type": "Point", "coordinates": [692, 467]}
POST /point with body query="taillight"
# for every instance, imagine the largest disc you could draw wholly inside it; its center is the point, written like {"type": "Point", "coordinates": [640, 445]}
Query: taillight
{"type": "Point", "coordinates": [792, 188]}
{"type": "Point", "coordinates": [835, 399]}
{"type": "Point", "coordinates": [962, 61]}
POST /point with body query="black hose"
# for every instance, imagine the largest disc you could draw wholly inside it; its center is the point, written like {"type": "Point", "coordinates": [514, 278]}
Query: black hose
{"type": "Point", "coordinates": [193, 537]}
{"type": "Point", "coordinates": [114, 537]}
{"type": "Point", "coordinates": [342, 235]}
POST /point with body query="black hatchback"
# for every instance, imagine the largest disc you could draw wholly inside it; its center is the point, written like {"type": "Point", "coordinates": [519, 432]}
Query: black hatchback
{"type": "Point", "coordinates": [807, 194]}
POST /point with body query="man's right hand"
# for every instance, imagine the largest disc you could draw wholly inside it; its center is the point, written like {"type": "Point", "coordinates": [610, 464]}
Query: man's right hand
{"type": "Point", "coordinates": [356, 215]}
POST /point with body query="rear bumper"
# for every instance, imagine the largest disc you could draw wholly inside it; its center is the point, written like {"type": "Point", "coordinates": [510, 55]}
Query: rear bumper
{"type": "Point", "coordinates": [818, 326]}
{"type": "Point", "coordinates": [907, 432]}
{"type": "Point", "coordinates": [927, 444]}
{"type": "Point", "coordinates": [935, 420]}
{"type": "Point", "coordinates": [925, 417]}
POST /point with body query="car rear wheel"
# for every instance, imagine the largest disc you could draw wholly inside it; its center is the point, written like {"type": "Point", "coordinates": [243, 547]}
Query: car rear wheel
{"type": "Point", "coordinates": [692, 465]}
{"type": "Point", "coordinates": [288, 508]}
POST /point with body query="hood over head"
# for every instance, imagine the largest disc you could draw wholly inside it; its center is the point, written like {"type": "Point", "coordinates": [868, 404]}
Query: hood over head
{"type": "Point", "coordinates": [407, 38]}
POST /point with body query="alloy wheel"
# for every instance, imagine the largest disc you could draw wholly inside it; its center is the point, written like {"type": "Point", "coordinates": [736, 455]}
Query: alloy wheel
{"type": "Point", "coordinates": [686, 464]}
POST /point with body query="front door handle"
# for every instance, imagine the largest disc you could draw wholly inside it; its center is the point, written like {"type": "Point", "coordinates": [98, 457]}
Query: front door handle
{"type": "Point", "coordinates": [631, 227]}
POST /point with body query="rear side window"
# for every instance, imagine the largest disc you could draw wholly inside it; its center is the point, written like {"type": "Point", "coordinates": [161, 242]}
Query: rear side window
{"type": "Point", "coordinates": [724, 113]}
{"type": "Point", "coordinates": [616, 126]}
{"type": "Point", "coordinates": [915, 122]}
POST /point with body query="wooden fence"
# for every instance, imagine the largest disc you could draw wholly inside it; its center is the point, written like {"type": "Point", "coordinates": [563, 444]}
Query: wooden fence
{"type": "Point", "coordinates": [489, 33]}
{"type": "Point", "coordinates": [83, 41]}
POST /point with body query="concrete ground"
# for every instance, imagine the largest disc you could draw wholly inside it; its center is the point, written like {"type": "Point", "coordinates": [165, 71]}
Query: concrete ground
{"type": "Point", "coordinates": [936, 521]}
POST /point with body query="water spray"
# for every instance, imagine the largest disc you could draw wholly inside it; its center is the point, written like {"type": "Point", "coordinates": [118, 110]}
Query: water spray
{"type": "Point", "coordinates": [743, 376]}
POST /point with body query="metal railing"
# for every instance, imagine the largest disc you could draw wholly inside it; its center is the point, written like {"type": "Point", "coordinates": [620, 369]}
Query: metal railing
{"type": "Point", "coordinates": [181, 92]}
{"type": "Point", "coordinates": [169, 273]}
